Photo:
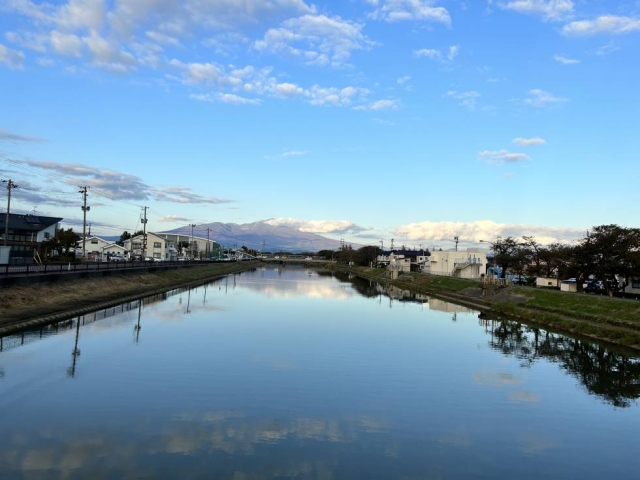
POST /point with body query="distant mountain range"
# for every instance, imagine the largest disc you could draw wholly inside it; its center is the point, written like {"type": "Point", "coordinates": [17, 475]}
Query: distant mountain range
{"type": "Point", "coordinates": [261, 236]}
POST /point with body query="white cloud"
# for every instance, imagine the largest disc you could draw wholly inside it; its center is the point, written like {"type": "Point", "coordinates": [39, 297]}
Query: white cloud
{"type": "Point", "coordinates": [416, 10]}
{"type": "Point", "coordinates": [447, 56]}
{"type": "Point", "coordinates": [225, 98]}
{"type": "Point", "coordinates": [500, 157]}
{"type": "Point", "coordinates": [428, 53]}
{"type": "Point", "coordinates": [607, 49]}
{"type": "Point", "coordinates": [549, 9]}
{"type": "Point", "coordinates": [466, 99]}
{"type": "Point", "coordinates": [173, 219]}
{"type": "Point", "coordinates": [403, 80]}
{"type": "Point", "coordinates": [15, 138]}
{"type": "Point", "coordinates": [107, 55]}
{"type": "Point", "coordinates": [453, 52]}
{"type": "Point", "coordinates": [565, 60]}
{"type": "Point", "coordinates": [325, 40]}
{"type": "Point", "coordinates": [605, 24]}
{"type": "Point", "coordinates": [317, 226]}
{"type": "Point", "coordinates": [487, 230]}
{"type": "Point", "coordinates": [540, 98]}
{"type": "Point", "coordinates": [295, 153]}
{"type": "Point", "coordinates": [66, 44]}
{"type": "Point", "coordinates": [12, 58]}
{"type": "Point", "coordinates": [529, 142]}
{"type": "Point", "coordinates": [383, 105]}
{"type": "Point", "coordinates": [335, 96]}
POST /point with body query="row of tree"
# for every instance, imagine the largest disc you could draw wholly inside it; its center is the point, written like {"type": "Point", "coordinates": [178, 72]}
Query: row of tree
{"type": "Point", "coordinates": [606, 252]}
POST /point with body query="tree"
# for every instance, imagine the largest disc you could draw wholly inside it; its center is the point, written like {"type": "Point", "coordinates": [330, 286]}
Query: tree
{"type": "Point", "coordinates": [507, 253]}
{"type": "Point", "coordinates": [326, 254]}
{"type": "Point", "coordinates": [63, 241]}
{"type": "Point", "coordinates": [124, 236]}
{"type": "Point", "coordinates": [365, 256]}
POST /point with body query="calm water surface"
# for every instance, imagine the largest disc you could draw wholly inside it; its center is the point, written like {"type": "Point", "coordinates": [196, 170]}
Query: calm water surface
{"type": "Point", "coordinates": [289, 373]}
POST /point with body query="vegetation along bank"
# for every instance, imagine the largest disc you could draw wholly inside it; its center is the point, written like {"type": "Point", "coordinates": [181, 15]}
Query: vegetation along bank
{"type": "Point", "coordinates": [599, 317]}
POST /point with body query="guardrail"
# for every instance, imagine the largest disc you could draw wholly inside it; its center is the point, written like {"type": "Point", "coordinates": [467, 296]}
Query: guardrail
{"type": "Point", "coordinates": [47, 268]}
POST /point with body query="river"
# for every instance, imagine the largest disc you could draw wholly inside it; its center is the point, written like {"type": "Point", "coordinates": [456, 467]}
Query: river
{"type": "Point", "coordinates": [289, 373]}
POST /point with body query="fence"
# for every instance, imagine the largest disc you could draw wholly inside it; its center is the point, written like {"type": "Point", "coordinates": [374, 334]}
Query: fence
{"type": "Point", "coordinates": [19, 270]}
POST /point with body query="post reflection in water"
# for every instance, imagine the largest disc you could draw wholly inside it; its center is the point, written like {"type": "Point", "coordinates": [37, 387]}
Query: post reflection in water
{"type": "Point", "coordinates": [296, 373]}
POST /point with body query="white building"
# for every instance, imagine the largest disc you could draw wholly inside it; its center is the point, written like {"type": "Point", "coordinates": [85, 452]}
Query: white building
{"type": "Point", "coordinates": [100, 249]}
{"type": "Point", "coordinates": [198, 247]}
{"type": "Point", "coordinates": [469, 264]}
{"type": "Point", "coordinates": [158, 248]}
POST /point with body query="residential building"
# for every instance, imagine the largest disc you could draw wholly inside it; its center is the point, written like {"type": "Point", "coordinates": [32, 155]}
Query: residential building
{"type": "Point", "coordinates": [26, 233]}
{"type": "Point", "coordinates": [196, 247]}
{"type": "Point", "coordinates": [471, 263]}
{"type": "Point", "coordinates": [99, 249]}
{"type": "Point", "coordinates": [158, 248]}
{"type": "Point", "coordinates": [405, 260]}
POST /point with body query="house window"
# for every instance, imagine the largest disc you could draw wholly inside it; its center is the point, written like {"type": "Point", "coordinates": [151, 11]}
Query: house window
{"type": "Point", "coordinates": [156, 255]}
{"type": "Point", "coordinates": [94, 241]}
{"type": "Point", "coordinates": [157, 244]}
{"type": "Point", "coordinates": [635, 283]}
{"type": "Point", "coordinates": [47, 235]}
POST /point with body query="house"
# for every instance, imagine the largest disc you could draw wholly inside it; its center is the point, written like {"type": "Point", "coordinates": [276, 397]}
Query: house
{"type": "Point", "coordinates": [158, 248]}
{"type": "Point", "coordinates": [470, 264]}
{"type": "Point", "coordinates": [407, 260]}
{"type": "Point", "coordinates": [26, 233]}
{"type": "Point", "coordinates": [195, 246]}
{"type": "Point", "coordinates": [99, 249]}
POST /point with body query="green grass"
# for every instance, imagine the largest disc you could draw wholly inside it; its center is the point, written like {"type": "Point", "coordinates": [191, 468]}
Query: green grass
{"type": "Point", "coordinates": [583, 305]}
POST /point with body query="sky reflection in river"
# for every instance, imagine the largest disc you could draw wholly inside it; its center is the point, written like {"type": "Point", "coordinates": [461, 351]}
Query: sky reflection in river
{"type": "Point", "coordinates": [295, 374]}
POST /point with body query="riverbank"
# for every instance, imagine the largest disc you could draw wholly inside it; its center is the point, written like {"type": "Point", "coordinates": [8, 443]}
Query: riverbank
{"type": "Point", "coordinates": [613, 320]}
{"type": "Point", "coordinates": [48, 302]}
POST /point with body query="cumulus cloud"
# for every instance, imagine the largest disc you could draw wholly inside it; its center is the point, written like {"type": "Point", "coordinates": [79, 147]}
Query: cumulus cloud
{"type": "Point", "coordinates": [499, 157]}
{"type": "Point", "coordinates": [549, 9]}
{"type": "Point", "coordinates": [295, 153]}
{"type": "Point", "coordinates": [529, 142]}
{"type": "Point", "coordinates": [317, 226]}
{"type": "Point", "coordinates": [66, 44]}
{"type": "Point", "coordinates": [605, 24]}
{"type": "Point", "coordinates": [565, 60]}
{"type": "Point", "coordinates": [415, 10]}
{"type": "Point", "coordinates": [403, 80]}
{"type": "Point", "coordinates": [539, 98]}
{"type": "Point", "coordinates": [484, 230]}
{"type": "Point", "coordinates": [12, 58]}
{"type": "Point", "coordinates": [9, 137]}
{"type": "Point", "coordinates": [324, 40]}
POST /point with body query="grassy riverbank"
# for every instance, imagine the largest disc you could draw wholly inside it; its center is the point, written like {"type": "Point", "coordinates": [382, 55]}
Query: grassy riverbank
{"type": "Point", "coordinates": [614, 320]}
{"type": "Point", "coordinates": [21, 303]}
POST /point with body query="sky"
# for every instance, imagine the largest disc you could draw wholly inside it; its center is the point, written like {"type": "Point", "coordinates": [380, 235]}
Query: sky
{"type": "Point", "coordinates": [363, 120]}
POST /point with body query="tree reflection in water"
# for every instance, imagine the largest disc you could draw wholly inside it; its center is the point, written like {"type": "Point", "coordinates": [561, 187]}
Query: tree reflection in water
{"type": "Point", "coordinates": [611, 375]}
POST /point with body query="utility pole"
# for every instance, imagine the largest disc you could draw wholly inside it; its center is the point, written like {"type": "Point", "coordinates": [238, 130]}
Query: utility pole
{"type": "Point", "coordinates": [456, 239]}
{"type": "Point", "coordinates": [144, 233]}
{"type": "Point", "coordinates": [10, 186]}
{"type": "Point", "coordinates": [392, 244]}
{"type": "Point", "coordinates": [207, 249]}
{"type": "Point", "coordinates": [85, 209]}
{"type": "Point", "coordinates": [192, 225]}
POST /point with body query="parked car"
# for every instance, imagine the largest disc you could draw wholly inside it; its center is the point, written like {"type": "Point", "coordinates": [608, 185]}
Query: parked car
{"type": "Point", "coordinates": [519, 280]}
{"type": "Point", "coordinates": [593, 286]}
{"type": "Point", "coordinates": [116, 258]}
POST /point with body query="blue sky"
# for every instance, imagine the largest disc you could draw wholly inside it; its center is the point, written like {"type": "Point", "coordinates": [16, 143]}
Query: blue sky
{"type": "Point", "coordinates": [417, 120]}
